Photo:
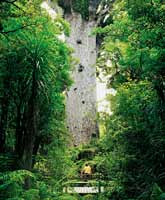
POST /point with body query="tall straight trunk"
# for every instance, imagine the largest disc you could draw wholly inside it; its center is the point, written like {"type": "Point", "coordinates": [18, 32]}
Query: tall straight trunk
{"type": "Point", "coordinates": [19, 135]}
{"type": "Point", "coordinates": [4, 114]}
{"type": "Point", "coordinates": [31, 125]}
{"type": "Point", "coordinates": [31, 129]}
{"type": "Point", "coordinates": [36, 148]}
{"type": "Point", "coordinates": [3, 125]}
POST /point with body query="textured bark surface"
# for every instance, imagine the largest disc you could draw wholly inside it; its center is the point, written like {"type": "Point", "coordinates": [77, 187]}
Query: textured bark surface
{"type": "Point", "coordinates": [81, 99]}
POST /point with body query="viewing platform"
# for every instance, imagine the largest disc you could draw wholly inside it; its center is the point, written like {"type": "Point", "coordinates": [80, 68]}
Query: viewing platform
{"type": "Point", "coordinates": [92, 185]}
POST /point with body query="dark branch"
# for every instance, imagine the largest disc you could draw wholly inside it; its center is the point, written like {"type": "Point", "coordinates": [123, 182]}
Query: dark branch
{"type": "Point", "coordinates": [14, 30]}
{"type": "Point", "coordinates": [13, 3]}
{"type": "Point", "coordinates": [7, 1]}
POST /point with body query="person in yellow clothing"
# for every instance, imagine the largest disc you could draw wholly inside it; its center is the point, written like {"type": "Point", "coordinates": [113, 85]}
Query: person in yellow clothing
{"type": "Point", "coordinates": [87, 171]}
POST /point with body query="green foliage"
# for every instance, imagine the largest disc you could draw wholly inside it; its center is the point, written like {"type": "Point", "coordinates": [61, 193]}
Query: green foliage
{"type": "Point", "coordinates": [12, 183]}
{"type": "Point", "coordinates": [34, 72]}
{"type": "Point", "coordinates": [88, 197]}
{"type": "Point", "coordinates": [67, 197]}
{"type": "Point", "coordinates": [6, 162]}
{"type": "Point", "coordinates": [31, 194]}
{"type": "Point", "coordinates": [130, 154]}
{"type": "Point", "coordinates": [162, 196]}
{"type": "Point", "coordinates": [79, 6]}
{"type": "Point", "coordinates": [156, 192]}
{"type": "Point", "coordinates": [82, 7]}
{"type": "Point", "coordinates": [132, 131]}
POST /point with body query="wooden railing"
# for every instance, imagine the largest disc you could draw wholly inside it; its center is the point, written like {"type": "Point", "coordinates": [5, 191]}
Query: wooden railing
{"type": "Point", "coordinates": [85, 185]}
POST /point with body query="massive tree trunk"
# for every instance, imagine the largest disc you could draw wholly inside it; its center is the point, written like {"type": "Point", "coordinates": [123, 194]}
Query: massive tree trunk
{"type": "Point", "coordinates": [81, 99]}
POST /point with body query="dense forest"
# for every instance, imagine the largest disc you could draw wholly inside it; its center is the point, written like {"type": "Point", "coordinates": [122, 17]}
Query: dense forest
{"type": "Point", "coordinates": [35, 67]}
